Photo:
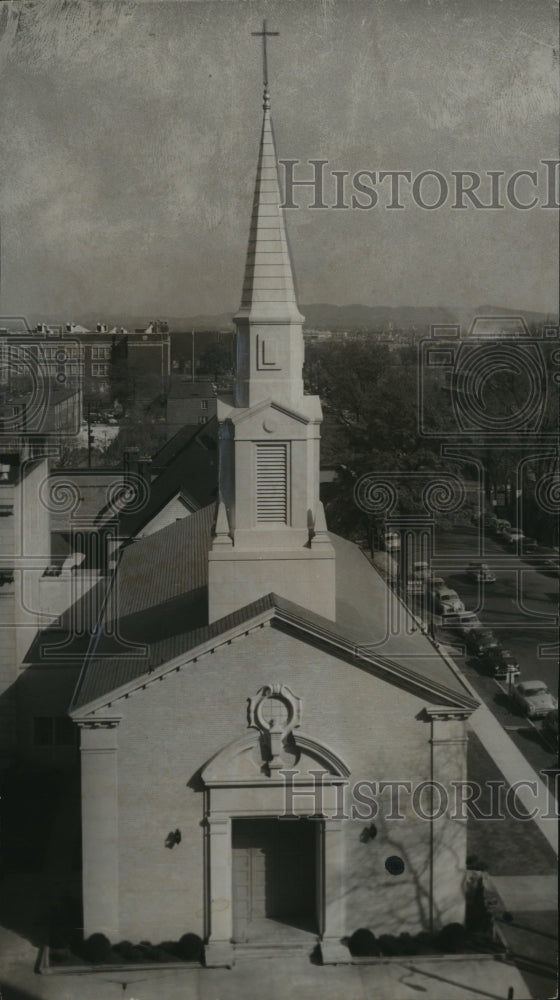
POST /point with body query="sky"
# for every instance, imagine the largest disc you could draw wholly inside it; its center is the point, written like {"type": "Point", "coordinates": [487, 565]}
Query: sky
{"type": "Point", "coordinates": [130, 134]}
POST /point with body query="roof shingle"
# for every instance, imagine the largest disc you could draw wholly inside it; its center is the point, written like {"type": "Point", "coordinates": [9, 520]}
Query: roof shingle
{"type": "Point", "coordinates": [161, 603]}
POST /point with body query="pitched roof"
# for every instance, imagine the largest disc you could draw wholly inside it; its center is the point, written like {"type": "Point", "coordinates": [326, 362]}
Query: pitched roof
{"type": "Point", "coordinates": [84, 494]}
{"type": "Point", "coordinates": [191, 470]}
{"type": "Point", "coordinates": [161, 602]}
{"type": "Point", "coordinates": [187, 464]}
{"type": "Point", "coordinates": [184, 435]}
{"type": "Point", "coordinates": [170, 563]}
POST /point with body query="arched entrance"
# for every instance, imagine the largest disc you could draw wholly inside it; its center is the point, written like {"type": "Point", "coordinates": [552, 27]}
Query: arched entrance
{"type": "Point", "coordinates": [269, 878]}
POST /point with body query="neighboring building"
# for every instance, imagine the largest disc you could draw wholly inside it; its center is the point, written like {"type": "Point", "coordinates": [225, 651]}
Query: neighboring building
{"type": "Point", "coordinates": [106, 363]}
{"type": "Point", "coordinates": [264, 658]}
{"type": "Point", "coordinates": [130, 366]}
{"type": "Point", "coordinates": [113, 506]}
{"type": "Point", "coordinates": [45, 354]}
{"type": "Point", "coordinates": [24, 554]}
{"type": "Point", "coordinates": [188, 402]}
{"type": "Point", "coordinates": [40, 417]}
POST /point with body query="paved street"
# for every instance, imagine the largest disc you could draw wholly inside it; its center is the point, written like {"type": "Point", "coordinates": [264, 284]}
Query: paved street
{"type": "Point", "coordinates": [520, 607]}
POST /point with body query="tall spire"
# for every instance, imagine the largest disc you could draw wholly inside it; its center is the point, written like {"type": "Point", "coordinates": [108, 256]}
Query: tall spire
{"type": "Point", "coordinates": [269, 324]}
{"type": "Point", "coordinates": [268, 287]}
{"type": "Point", "coordinates": [270, 534]}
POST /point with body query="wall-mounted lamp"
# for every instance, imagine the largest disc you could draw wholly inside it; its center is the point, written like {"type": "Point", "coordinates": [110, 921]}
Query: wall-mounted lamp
{"type": "Point", "coordinates": [368, 833]}
{"type": "Point", "coordinates": [173, 837]}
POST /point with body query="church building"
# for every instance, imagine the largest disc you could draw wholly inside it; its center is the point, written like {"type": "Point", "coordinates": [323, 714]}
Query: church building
{"type": "Point", "coordinates": [249, 706]}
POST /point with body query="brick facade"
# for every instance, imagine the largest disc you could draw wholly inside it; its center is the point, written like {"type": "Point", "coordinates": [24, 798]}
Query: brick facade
{"type": "Point", "coordinates": [172, 727]}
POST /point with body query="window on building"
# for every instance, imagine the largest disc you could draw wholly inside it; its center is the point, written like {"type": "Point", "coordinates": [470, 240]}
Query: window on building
{"type": "Point", "coordinates": [54, 731]}
{"type": "Point", "coordinates": [99, 371]}
{"type": "Point", "coordinates": [203, 404]}
{"type": "Point", "coordinates": [272, 483]}
{"type": "Point", "coordinates": [203, 420]}
{"type": "Point", "coordinates": [100, 353]}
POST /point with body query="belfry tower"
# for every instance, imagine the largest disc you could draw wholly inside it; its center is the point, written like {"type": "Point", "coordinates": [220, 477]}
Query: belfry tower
{"type": "Point", "coordinates": [270, 533]}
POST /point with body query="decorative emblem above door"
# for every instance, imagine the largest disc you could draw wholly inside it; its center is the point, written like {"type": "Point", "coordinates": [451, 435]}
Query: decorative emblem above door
{"type": "Point", "coordinates": [275, 711]}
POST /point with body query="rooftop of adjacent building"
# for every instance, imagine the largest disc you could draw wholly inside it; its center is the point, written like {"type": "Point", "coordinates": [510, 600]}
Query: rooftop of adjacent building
{"type": "Point", "coordinates": [186, 465]}
{"type": "Point", "coordinates": [183, 387]}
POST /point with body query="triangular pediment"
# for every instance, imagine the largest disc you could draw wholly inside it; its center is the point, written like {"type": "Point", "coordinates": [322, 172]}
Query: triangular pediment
{"type": "Point", "coordinates": [300, 623]}
{"type": "Point", "coordinates": [241, 416]}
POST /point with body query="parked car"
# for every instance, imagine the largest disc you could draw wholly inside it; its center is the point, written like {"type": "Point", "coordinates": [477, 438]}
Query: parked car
{"type": "Point", "coordinates": [534, 698]}
{"type": "Point", "coordinates": [513, 537]}
{"type": "Point", "coordinates": [500, 662]}
{"type": "Point", "coordinates": [463, 622]}
{"type": "Point", "coordinates": [529, 545]}
{"type": "Point", "coordinates": [480, 572]}
{"type": "Point", "coordinates": [437, 584]}
{"type": "Point", "coordinates": [447, 601]}
{"type": "Point", "coordinates": [498, 525]}
{"type": "Point", "coordinates": [480, 640]}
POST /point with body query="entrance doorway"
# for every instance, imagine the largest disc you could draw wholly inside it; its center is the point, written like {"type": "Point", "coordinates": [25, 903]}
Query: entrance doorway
{"type": "Point", "coordinates": [274, 889]}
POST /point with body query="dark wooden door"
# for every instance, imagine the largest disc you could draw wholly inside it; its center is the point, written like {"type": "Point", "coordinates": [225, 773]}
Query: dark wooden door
{"type": "Point", "coordinates": [274, 876]}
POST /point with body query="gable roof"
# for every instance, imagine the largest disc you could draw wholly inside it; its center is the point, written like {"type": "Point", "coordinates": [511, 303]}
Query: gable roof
{"type": "Point", "coordinates": [161, 603]}
{"type": "Point", "coordinates": [104, 681]}
{"type": "Point", "coordinates": [187, 464]}
{"type": "Point", "coordinates": [192, 469]}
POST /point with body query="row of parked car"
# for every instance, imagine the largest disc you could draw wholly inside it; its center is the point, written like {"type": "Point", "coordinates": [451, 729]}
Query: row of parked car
{"type": "Point", "coordinates": [512, 537]}
{"type": "Point", "coordinates": [532, 697]}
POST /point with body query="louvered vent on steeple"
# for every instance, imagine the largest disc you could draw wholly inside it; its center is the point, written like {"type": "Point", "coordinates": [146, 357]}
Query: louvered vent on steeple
{"type": "Point", "coordinates": [272, 483]}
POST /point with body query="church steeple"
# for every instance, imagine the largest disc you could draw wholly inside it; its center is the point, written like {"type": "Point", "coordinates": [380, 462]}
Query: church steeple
{"type": "Point", "coordinates": [268, 286]}
{"type": "Point", "coordinates": [269, 362]}
{"type": "Point", "coordinates": [270, 534]}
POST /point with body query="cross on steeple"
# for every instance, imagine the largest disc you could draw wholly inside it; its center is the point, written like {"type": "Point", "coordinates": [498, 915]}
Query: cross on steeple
{"type": "Point", "coordinates": [264, 34]}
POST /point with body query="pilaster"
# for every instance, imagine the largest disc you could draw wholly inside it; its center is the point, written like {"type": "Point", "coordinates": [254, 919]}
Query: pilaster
{"type": "Point", "coordinates": [448, 836]}
{"type": "Point", "coordinates": [333, 951]}
{"type": "Point", "coordinates": [219, 950]}
{"type": "Point", "coordinates": [100, 834]}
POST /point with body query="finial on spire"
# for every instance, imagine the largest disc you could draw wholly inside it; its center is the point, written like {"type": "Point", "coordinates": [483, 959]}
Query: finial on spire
{"type": "Point", "coordinates": [264, 34]}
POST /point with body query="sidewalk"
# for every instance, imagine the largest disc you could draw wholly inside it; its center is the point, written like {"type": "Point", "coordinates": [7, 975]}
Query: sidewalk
{"type": "Point", "coordinates": [526, 921]}
{"type": "Point", "coordinates": [526, 892]}
{"type": "Point", "coordinates": [275, 978]}
{"type": "Point", "coordinates": [533, 794]}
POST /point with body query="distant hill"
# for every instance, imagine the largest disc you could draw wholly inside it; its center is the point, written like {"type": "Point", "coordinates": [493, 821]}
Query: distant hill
{"type": "Point", "coordinates": [329, 317]}
{"type": "Point", "coordinates": [320, 316]}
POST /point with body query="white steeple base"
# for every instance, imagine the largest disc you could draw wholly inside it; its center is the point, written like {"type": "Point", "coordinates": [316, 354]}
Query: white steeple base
{"type": "Point", "coordinates": [306, 577]}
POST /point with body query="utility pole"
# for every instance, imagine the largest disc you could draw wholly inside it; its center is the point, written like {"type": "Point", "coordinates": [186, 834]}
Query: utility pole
{"type": "Point", "coordinates": [89, 435]}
